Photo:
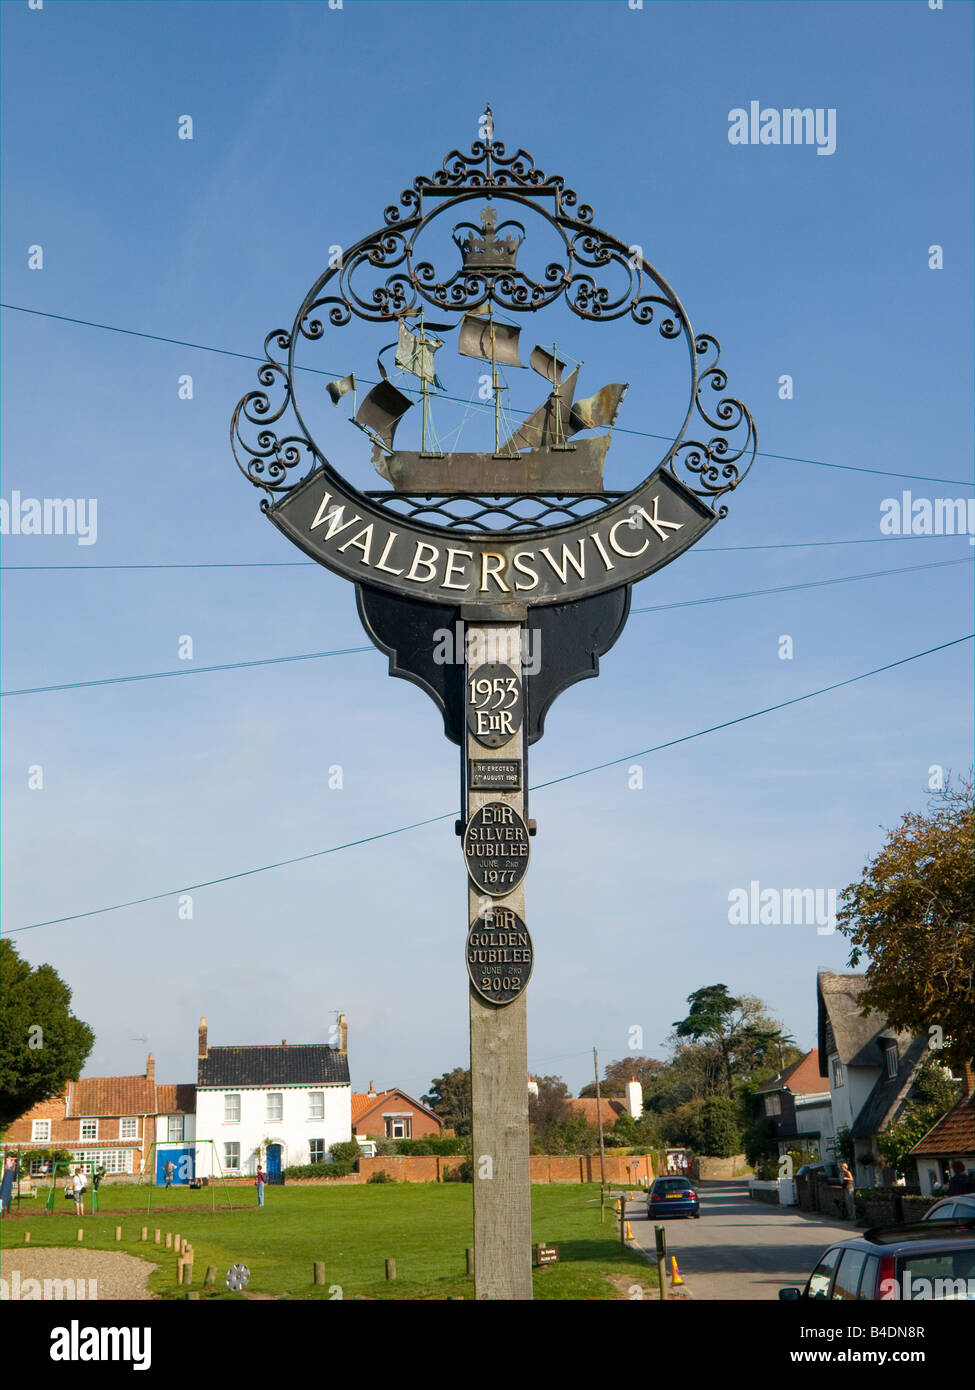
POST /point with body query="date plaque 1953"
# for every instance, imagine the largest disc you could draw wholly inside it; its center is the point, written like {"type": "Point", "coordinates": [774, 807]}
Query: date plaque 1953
{"type": "Point", "coordinates": [496, 848]}
{"type": "Point", "coordinates": [500, 955]}
{"type": "Point", "coordinates": [494, 704]}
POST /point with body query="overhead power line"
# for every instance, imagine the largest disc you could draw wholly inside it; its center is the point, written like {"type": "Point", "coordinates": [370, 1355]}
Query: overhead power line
{"type": "Point", "coordinates": [334, 376]}
{"type": "Point", "coordinates": [313, 564]}
{"type": "Point", "coordinates": [350, 651]}
{"type": "Point", "coordinates": [448, 815]}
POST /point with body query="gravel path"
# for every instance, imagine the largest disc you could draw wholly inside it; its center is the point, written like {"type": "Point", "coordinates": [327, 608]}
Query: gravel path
{"type": "Point", "coordinates": [117, 1275]}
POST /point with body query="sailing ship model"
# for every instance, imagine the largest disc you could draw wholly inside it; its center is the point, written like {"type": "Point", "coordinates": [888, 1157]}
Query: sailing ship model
{"type": "Point", "coordinates": [541, 455]}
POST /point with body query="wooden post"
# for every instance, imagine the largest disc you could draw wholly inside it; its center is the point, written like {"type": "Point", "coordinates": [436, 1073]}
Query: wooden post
{"type": "Point", "coordinates": [599, 1117]}
{"type": "Point", "coordinates": [169, 1240]}
{"type": "Point", "coordinates": [193, 1293]}
{"type": "Point", "coordinates": [318, 1272]}
{"type": "Point", "coordinates": [661, 1239]}
{"type": "Point", "coordinates": [188, 1269]}
{"type": "Point", "coordinates": [499, 1048]}
{"type": "Point", "coordinates": [623, 1219]}
{"type": "Point", "coordinates": [210, 1278]}
{"type": "Point", "coordinates": [390, 1269]}
{"type": "Point", "coordinates": [81, 1233]}
{"type": "Point", "coordinates": [179, 1269]}
{"type": "Point", "coordinates": [469, 1253]}
{"type": "Point", "coordinates": [145, 1233]}
{"type": "Point", "coordinates": [118, 1232]}
{"type": "Point", "coordinates": [158, 1235]}
{"type": "Point", "coordinates": [27, 1237]}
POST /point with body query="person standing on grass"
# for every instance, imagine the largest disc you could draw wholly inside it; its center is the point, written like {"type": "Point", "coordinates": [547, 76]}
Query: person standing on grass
{"type": "Point", "coordinates": [261, 1179]}
{"type": "Point", "coordinates": [169, 1172]}
{"type": "Point", "coordinates": [78, 1189]}
{"type": "Point", "coordinates": [7, 1186]}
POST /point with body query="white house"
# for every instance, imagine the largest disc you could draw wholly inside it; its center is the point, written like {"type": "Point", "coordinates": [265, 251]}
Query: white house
{"type": "Point", "coordinates": [278, 1106]}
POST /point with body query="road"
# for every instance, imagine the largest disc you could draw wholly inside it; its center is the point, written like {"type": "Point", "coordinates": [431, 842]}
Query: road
{"type": "Point", "coordinates": [739, 1249]}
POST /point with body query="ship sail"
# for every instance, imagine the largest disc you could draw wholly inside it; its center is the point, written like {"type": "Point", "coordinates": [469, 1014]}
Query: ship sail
{"type": "Point", "coordinates": [414, 353]}
{"type": "Point", "coordinates": [381, 412]}
{"type": "Point", "coordinates": [598, 410]}
{"type": "Point", "coordinates": [337, 389]}
{"type": "Point", "coordinates": [546, 426]}
{"type": "Point", "coordinates": [546, 365]}
{"type": "Point", "coordinates": [475, 340]}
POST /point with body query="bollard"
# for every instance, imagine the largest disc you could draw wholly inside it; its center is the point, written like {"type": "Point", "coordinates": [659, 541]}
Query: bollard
{"type": "Point", "coordinates": [187, 1269]}
{"type": "Point", "coordinates": [390, 1269]}
{"type": "Point", "coordinates": [145, 1233]}
{"type": "Point", "coordinates": [177, 1241]}
{"type": "Point", "coordinates": [470, 1259]}
{"type": "Point", "coordinates": [179, 1269]}
{"type": "Point", "coordinates": [27, 1237]}
{"type": "Point", "coordinates": [318, 1272]}
{"type": "Point", "coordinates": [210, 1278]}
{"type": "Point", "coordinates": [661, 1239]}
{"type": "Point", "coordinates": [158, 1235]}
{"type": "Point", "coordinates": [81, 1233]}
{"type": "Point", "coordinates": [118, 1232]}
{"type": "Point", "coordinates": [169, 1240]}
{"type": "Point", "coordinates": [193, 1294]}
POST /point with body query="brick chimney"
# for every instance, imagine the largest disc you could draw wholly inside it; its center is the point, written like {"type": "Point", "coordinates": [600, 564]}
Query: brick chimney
{"type": "Point", "coordinates": [343, 1035]}
{"type": "Point", "coordinates": [372, 1089]}
{"type": "Point", "coordinates": [968, 1079]}
{"type": "Point", "coordinates": [202, 1051]}
{"type": "Point", "coordinates": [151, 1069]}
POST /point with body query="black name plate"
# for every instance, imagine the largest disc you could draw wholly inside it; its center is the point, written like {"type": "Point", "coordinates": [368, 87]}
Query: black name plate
{"type": "Point", "coordinates": [495, 706]}
{"type": "Point", "coordinates": [496, 848]}
{"type": "Point", "coordinates": [495, 775]}
{"type": "Point", "coordinates": [546, 1254]}
{"type": "Point", "coordinates": [500, 955]}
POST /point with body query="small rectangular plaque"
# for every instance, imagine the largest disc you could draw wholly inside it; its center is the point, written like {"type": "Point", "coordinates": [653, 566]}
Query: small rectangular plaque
{"type": "Point", "coordinates": [546, 1254]}
{"type": "Point", "coordinates": [495, 774]}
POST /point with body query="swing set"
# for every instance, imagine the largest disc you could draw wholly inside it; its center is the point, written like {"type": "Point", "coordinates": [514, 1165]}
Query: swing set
{"type": "Point", "coordinates": [186, 1170]}
{"type": "Point", "coordinates": [67, 1170]}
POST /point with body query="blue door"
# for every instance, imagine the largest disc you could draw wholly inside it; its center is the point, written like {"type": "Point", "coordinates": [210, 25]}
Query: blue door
{"type": "Point", "coordinates": [181, 1158]}
{"type": "Point", "coordinates": [274, 1163]}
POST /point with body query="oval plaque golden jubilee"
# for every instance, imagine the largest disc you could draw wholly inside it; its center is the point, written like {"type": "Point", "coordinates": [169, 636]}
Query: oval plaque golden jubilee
{"type": "Point", "coordinates": [500, 955]}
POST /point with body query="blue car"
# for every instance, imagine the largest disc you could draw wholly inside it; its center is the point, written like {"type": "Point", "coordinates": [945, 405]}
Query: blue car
{"type": "Point", "coordinates": [672, 1197]}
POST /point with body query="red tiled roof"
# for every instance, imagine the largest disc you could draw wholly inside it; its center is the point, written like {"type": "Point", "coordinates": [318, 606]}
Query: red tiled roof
{"type": "Point", "coordinates": [803, 1078]}
{"type": "Point", "coordinates": [176, 1098]}
{"type": "Point", "coordinates": [361, 1102]}
{"type": "Point", "coordinates": [112, 1095]}
{"type": "Point", "coordinates": [611, 1109]}
{"type": "Point", "coordinates": [954, 1133]}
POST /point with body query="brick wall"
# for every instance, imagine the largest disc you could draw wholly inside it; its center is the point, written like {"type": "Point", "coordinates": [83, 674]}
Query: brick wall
{"type": "Point", "coordinates": [545, 1168]}
{"type": "Point", "coordinates": [734, 1167]}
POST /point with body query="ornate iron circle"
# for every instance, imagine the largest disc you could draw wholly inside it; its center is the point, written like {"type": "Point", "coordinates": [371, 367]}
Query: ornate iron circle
{"type": "Point", "coordinates": [430, 537]}
{"type": "Point", "coordinates": [496, 849]}
{"type": "Point", "coordinates": [500, 955]}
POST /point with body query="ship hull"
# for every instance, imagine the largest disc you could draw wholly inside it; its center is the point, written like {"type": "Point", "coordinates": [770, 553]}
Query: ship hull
{"type": "Point", "coordinates": [571, 470]}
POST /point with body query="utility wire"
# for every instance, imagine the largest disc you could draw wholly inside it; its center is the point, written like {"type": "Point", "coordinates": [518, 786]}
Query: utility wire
{"type": "Point", "coordinates": [349, 651]}
{"type": "Point", "coordinates": [313, 564]}
{"type": "Point", "coordinates": [448, 815]}
{"type": "Point", "coordinates": [335, 376]}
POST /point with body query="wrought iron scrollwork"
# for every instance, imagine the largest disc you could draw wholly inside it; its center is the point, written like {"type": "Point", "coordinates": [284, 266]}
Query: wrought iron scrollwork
{"type": "Point", "coordinates": [598, 276]}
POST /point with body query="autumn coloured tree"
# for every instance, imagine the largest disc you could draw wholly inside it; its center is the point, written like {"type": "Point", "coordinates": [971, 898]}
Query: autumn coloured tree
{"type": "Point", "coordinates": [912, 916]}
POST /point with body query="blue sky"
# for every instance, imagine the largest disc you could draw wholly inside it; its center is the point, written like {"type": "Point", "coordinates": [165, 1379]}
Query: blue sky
{"type": "Point", "coordinates": [307, 121]}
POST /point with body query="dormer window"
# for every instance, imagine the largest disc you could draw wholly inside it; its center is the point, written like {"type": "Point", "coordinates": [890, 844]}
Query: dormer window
{"type": "Point", "coordinates": [892, 1062]}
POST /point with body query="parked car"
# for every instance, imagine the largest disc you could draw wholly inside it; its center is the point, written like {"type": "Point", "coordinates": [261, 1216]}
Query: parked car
{"type": "Point", "coordinates": [961, 1208]}
{"type": "Point", "coordinates": [672, 1197]}
{"type": "Point", "coordinates": [915, 1261]}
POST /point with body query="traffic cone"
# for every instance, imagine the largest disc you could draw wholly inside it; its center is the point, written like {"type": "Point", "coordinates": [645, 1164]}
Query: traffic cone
{"type": "Point", "coordinates": [629, 1233]}
{"type": "Point", "coordinates": [674, 1271]}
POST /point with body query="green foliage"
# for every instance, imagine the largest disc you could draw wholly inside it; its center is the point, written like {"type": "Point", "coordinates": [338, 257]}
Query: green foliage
{"type": "Point", "coordinates": [341, 1169]}
{"type": "Point", "coordinates": [737, 1029]}
{"type": "Point", "coordinates": [433, 1144]}
{"type": "Point", "coordinates": [450, 1098]}
{"type": "Point", "coordinates": [464, 1172]}
{"type": "Point", "coordinates": [757, 1142]}
{"type": "Point", "coordinates": [931, 1095]}
{"type": "Point", "coordinates": [720, 1134]}
{"type": "Point", "coordinates": [42, 1044]}
{"type": "Point", "coordinates": [843, 1147]}
{"type": "Point", "coordinates": [911, 915]}
{"type": "Point", "coordinates": [617, 1074]}
{"type": "Point", "coordinates": [380, 1175]}
{"type": "Point", "coordinates": [347, 1152]}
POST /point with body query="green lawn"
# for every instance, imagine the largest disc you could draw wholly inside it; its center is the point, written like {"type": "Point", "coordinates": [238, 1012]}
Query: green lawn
{"type": "Point", "coordinates": [424, 1226]}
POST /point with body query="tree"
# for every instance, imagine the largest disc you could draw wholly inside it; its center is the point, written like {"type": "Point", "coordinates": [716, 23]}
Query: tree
{"type": "Point", "coordinates": [912, 914]}
{"type": "Point", "coordinates": [617, 1074]}
{"type": "Point", "coordinates": [738, 1029]}
{"type": "Point", "coordinates": [550, 1109]}
{"type": "Point", "coordinates": [42, 1044]}
{"type": "Point", "coordinates": [450, 1098]}
{"type": "Point", "coordinates": [720, 1130]}
{"type": "Point", "coordinates": [931, 1095]}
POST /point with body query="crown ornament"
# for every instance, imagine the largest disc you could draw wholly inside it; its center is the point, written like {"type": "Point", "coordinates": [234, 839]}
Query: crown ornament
{"type": "Point", "coordinates": [484, 247]}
